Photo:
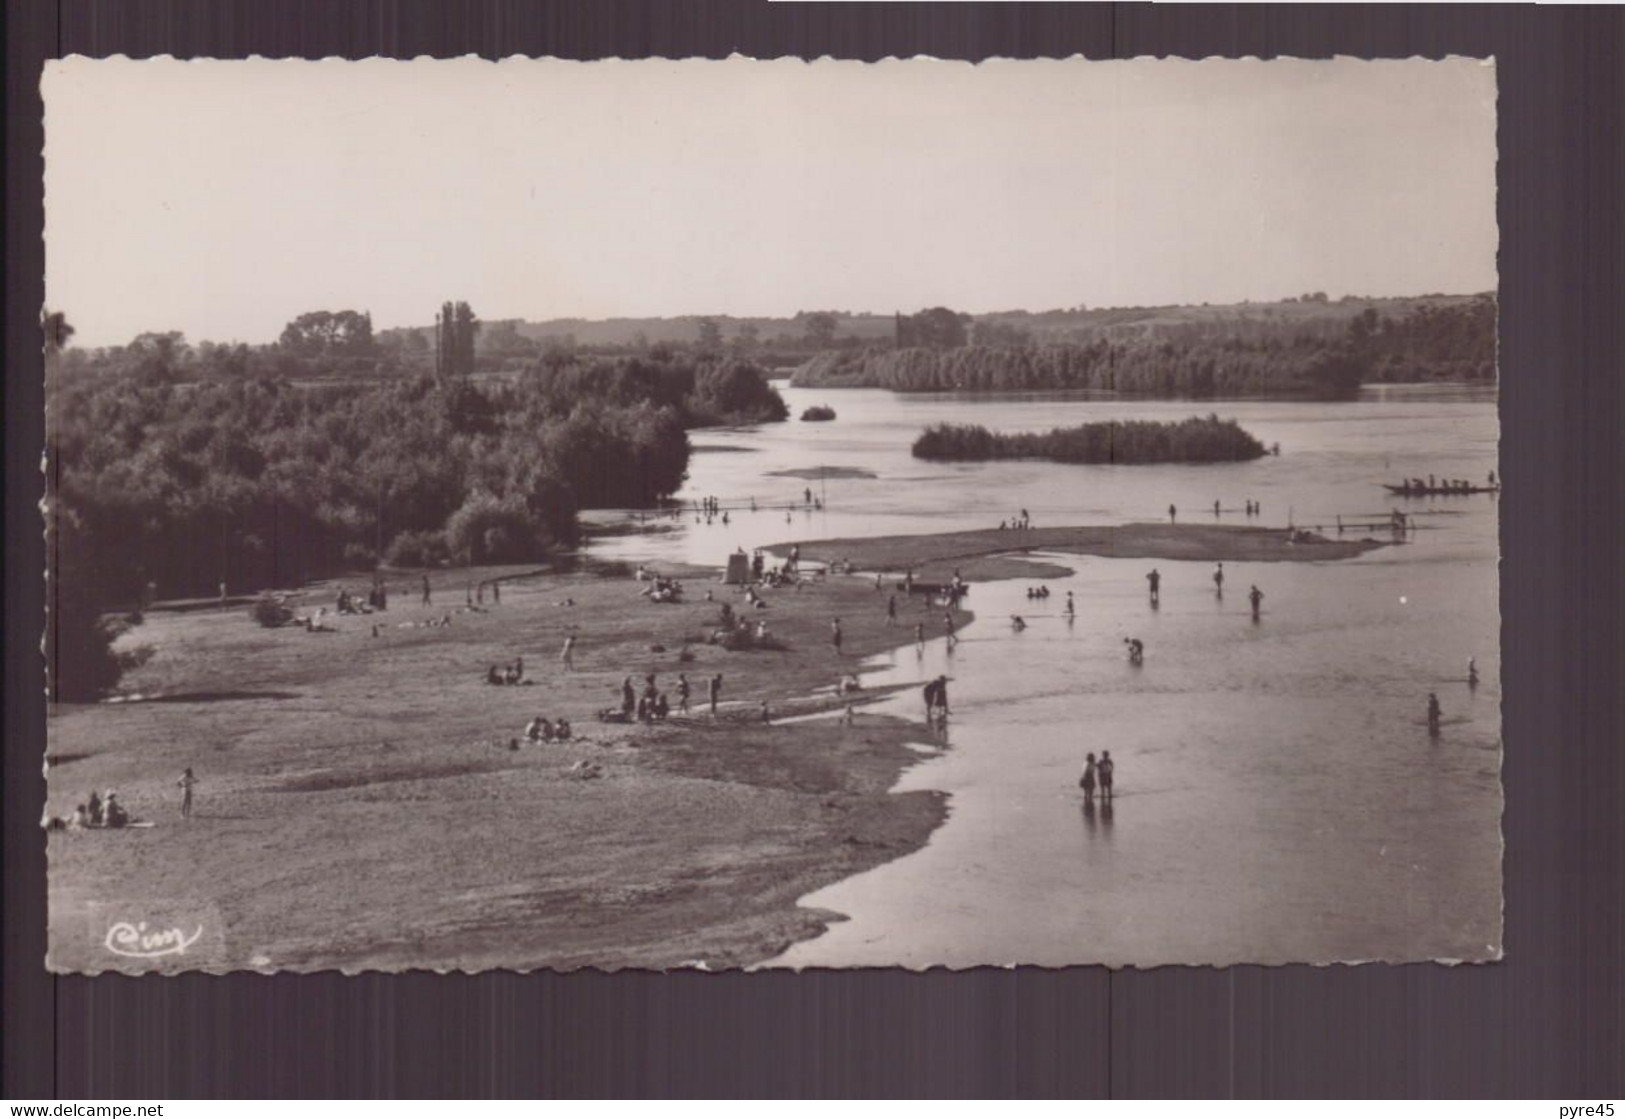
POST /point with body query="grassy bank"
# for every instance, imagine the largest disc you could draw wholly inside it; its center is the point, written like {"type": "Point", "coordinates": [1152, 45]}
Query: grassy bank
{"type": "Point", "coordinates": [358, 806]}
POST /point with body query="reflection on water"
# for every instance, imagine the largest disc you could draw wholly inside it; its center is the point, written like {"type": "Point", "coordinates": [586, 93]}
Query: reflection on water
{"type": "Point", "coordinates": [1278, 797]}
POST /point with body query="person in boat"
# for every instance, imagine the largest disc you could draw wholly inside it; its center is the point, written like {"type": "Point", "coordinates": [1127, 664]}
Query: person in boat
{"type": "Point", "coordinates": [1434, 714]}
{"type": "Point", "coordinates": [1154, 579]}
{"type": "Point", "coordinates": [1106, 768]}
{"type": "Point", "coordinates": [1256, 597]}
{"type": "Point", "coordinates": [1087, 781]}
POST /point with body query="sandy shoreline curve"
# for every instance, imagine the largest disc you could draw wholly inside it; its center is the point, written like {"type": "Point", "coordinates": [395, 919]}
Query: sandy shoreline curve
{"type": "Point", "coordinates": [996, 553]}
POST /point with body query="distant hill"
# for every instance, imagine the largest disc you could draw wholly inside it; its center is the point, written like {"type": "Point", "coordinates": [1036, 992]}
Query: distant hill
{"type": "Point", "coordinates": [1311, 313]}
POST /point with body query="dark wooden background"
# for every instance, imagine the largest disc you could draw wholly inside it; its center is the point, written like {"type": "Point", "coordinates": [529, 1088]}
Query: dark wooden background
{"type": "Point", "coordinates": [1545, 1022]}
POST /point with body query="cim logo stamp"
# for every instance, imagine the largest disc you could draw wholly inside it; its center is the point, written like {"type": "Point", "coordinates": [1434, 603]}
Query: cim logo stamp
{"type": "Point", "coordinates": [141, 942]}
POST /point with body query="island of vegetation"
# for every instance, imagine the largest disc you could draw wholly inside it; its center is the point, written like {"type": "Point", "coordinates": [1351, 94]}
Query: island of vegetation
{"type": "Point", "coordinates": [817, 413]}
{"type": "Point", "coordinates": [1196, 440]}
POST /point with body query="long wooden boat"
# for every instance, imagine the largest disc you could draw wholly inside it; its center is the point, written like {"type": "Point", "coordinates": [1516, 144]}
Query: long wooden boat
{"type": "Point", "coordinates": [1439, 491]}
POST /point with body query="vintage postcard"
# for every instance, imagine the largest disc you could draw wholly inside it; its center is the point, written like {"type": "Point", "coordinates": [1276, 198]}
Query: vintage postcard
{"type": "Point", "coordinates": [771, 514]}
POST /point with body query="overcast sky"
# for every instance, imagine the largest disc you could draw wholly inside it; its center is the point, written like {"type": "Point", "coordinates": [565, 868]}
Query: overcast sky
{"type": "Point", "coordinates": [223, 199]}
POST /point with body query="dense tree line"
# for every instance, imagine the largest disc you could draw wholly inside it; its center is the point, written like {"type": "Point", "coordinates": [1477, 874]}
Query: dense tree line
{"type": "Point", "coordinates": [1432, 344]}
{"type": "Point", "coordinates": [1167, 369]}
{"type": "Point", "coordinates": [1132, 441]}
{"type": "Point", "coordinates": [1323, 353]}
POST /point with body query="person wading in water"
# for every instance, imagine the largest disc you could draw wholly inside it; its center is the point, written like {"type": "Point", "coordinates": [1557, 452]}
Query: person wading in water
{"type": "Point", "coordinates": [1087, 781]}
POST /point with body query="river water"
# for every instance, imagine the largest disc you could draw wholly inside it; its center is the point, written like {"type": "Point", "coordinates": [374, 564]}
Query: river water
{"type": "Point", "coordinates": [1278, 797]}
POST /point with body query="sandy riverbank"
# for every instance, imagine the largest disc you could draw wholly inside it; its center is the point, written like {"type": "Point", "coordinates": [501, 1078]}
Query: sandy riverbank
{"type": "Point", "coordinates": [358, 806]}
{"type": "Point", "coordinates": [995, 553]}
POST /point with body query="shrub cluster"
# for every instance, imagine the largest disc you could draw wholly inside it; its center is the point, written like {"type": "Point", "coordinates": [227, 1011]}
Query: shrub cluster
{"type": "Point", "coordinates": [1197, 439]}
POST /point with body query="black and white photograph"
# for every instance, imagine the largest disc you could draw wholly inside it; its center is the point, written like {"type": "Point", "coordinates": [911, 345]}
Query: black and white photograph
{"type": "Point", "coordinates": [767, 514]}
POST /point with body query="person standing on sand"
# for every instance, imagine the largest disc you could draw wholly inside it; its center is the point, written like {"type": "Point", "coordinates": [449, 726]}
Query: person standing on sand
{"type": "Point", "coordinates": [714, 688]}
{"type": "Point", "coordinates": [1087, 781]}
{"type": "Point", "coordinates": [629, 698]}
{"type": "Point", "coordinates": [891, 610]}
{"type": "Point", "coordinates": [185, 784]}
{"type": "Point", "coordinates": [425, 590]}
{"type": "Point", "coordinates": [1154, 578]}
{"type": "Point", "coordinates": [1218, 579]}
{"type": "Point", "coordinates": [1172, 514]}
{"type": "Point", "coordinates": [682, 694]}
{"type": "Point", "coordinates": [1256, 597]}
{"type": "Point", "coordinates": [1434, 714]}
{"type": "Point", "coordinates": [835, 635]}
{"type": "Point", "coordinates": [496, 591]}
{"type": "Point", "coordinates": [919, 636]}
{"type": "Point", "coordinates": [948, 624]}
{"type": "Point", "coordinates": [1106, 767]}
{"type": "Point", "coordinates": [567, 654]}
{"type": "Point", "coordinates": [1215, 509]}
{"type": "Point", "coordinates": [1071, 607]}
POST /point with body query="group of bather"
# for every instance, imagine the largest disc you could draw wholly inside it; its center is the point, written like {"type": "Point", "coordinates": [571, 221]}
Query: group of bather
{"type": "Point", "coordinates": [651, 704]}
{"type": "Point", "coordinates": [661, 589]}
{"type": "Point", "coordinates": [507, 674]}
{"type": "Point", "coordinates": [377, 599]}
{"type": "Point", "coordinates": [1022, 520]}
{"type": "Point", "coordinates": [540, 730]}
{"type": "Point", "coordinates": [97, 812]}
